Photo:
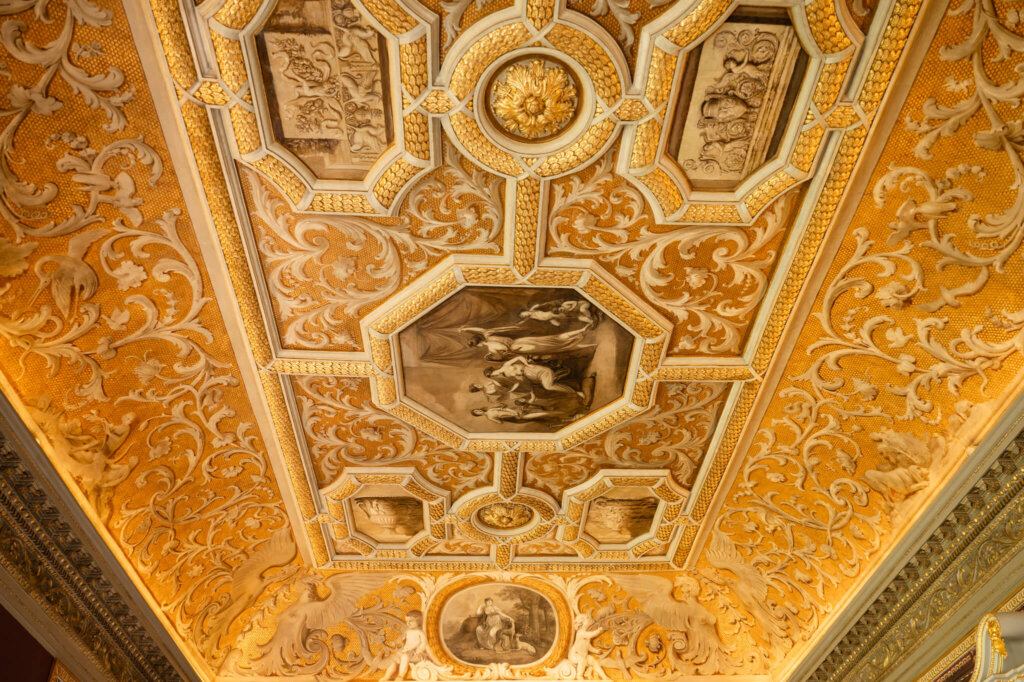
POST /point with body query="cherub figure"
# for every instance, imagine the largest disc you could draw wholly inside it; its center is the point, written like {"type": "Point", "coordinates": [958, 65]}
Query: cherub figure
{"type": "Point", "coordinates": [561, 313]}
{"type": "Point", "coordinates": [413, 651]}
{"type": "Point", "coordinates": [581, 654]}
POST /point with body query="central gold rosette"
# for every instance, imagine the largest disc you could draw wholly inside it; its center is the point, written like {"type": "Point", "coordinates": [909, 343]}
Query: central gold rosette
{"type": "Point", "coordinates": [534, 100]}
{"type": "Point", "coordinates": [505, 515]}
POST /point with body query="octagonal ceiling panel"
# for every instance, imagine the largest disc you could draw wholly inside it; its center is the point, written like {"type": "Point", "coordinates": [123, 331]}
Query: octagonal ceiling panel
{"type": "Point", "coordinates": [498, 360]}
{"type": "Point", "coordinates": [342, 318]}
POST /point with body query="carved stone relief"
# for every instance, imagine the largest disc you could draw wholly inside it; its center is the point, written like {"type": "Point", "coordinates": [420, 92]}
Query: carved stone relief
{"type": "Point", "coordinates": [737, 84]}
{"type": "Point", "coordinates": [325, 78]}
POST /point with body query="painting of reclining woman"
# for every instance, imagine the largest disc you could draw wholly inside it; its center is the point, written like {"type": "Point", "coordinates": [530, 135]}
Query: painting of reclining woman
{"type": "Point", "coordinates": [514, 359]}
{"type": "Point", "coordinates": [494, 623]}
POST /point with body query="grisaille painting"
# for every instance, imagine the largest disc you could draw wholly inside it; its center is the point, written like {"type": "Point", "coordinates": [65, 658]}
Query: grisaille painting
{"type": "Point", "coordinates": [324, 70]}
{"type": "Point", "coordinates": [495, 359]}
{"type": "Point", "coordinates": [621, 517]}
{"type": "Point", "coordinates": [498, 623]}
{"type": "Point", "coordinates": [388, 519]}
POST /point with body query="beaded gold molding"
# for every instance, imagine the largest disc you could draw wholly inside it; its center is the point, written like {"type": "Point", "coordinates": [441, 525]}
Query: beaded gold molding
{"type": "Point", "coordinates": [554, 33]}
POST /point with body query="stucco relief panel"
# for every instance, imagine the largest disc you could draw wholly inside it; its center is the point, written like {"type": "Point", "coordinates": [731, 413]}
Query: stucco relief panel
{"type": "Point", "coordinates": [325, 78]}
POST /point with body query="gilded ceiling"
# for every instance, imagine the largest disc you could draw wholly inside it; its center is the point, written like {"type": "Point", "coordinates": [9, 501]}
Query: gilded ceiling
{"type": "Point", "coordinates": [479, 339]}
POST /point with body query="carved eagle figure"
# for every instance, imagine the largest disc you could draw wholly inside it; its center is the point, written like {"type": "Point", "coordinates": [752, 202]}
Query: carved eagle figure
{"type": "Point", "coordinates": [751, 586]}
{"type": "Point", "coordinates": [312, 613]}
{"type": "Point", "coordinates": [248, 582]}
{"type": "Point", "coordinates": [674, 606]}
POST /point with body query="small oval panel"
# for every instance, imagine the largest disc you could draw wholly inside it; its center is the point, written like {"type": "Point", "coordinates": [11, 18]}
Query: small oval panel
{"type": "Point", "coordinates": [498, 623]}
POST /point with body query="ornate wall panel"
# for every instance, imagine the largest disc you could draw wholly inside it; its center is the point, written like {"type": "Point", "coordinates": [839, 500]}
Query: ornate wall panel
{"type": "Point", "coordinates": [490, 354]}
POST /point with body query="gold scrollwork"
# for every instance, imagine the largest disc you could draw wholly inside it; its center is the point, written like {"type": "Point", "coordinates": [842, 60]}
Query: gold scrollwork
{"type": "Point", "coordinates": [665, 191]}
{"type": "Point", "coordinates": [282, 176]}
{"type": "Point", "coordinates": [592, 56]}
{"type": "Point", "coordinates": [482, 53]}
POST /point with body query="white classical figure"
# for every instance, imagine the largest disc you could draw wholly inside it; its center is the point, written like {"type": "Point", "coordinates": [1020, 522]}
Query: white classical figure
{"type": "Point", "coordinates": [493, 625]}
{"type": "Point", "coordinates": [581, 654]}
{"type": "Point", "coordinates": [413, 651]}
{"type": "Point", "coordinates": [692, 628]}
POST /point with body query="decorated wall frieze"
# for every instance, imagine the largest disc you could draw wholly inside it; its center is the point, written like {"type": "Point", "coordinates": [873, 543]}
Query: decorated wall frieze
{"type": "Point", "coordinates": [40, 549]}
{"type": "Point", "coordinates": [490, 624]}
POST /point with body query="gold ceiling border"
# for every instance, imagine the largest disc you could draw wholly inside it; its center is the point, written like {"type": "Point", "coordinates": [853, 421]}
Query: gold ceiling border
{"type": "Point", "coordinates": [180, 60]}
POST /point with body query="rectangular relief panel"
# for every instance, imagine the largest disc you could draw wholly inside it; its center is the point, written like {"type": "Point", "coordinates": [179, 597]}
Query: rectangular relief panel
{"type": "Point", "coordinates": [325, 79]}
{"type": "Point", "coordinates": [735, 87]}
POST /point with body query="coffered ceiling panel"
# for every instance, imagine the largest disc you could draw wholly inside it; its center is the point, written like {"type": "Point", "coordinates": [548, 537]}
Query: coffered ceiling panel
{"type": "Point", "coordinates": [509, 340]}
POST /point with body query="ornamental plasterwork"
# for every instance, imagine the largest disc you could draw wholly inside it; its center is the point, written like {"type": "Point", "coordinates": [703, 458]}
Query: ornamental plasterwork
{"type": "Point", "coordinates": [208, 315]}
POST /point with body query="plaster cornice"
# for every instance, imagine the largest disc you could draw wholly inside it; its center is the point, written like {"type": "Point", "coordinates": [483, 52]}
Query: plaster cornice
{"type": "Point", "coordinates": [43, 552]}
{"type": "Point", "coordinates": [978, 538]}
